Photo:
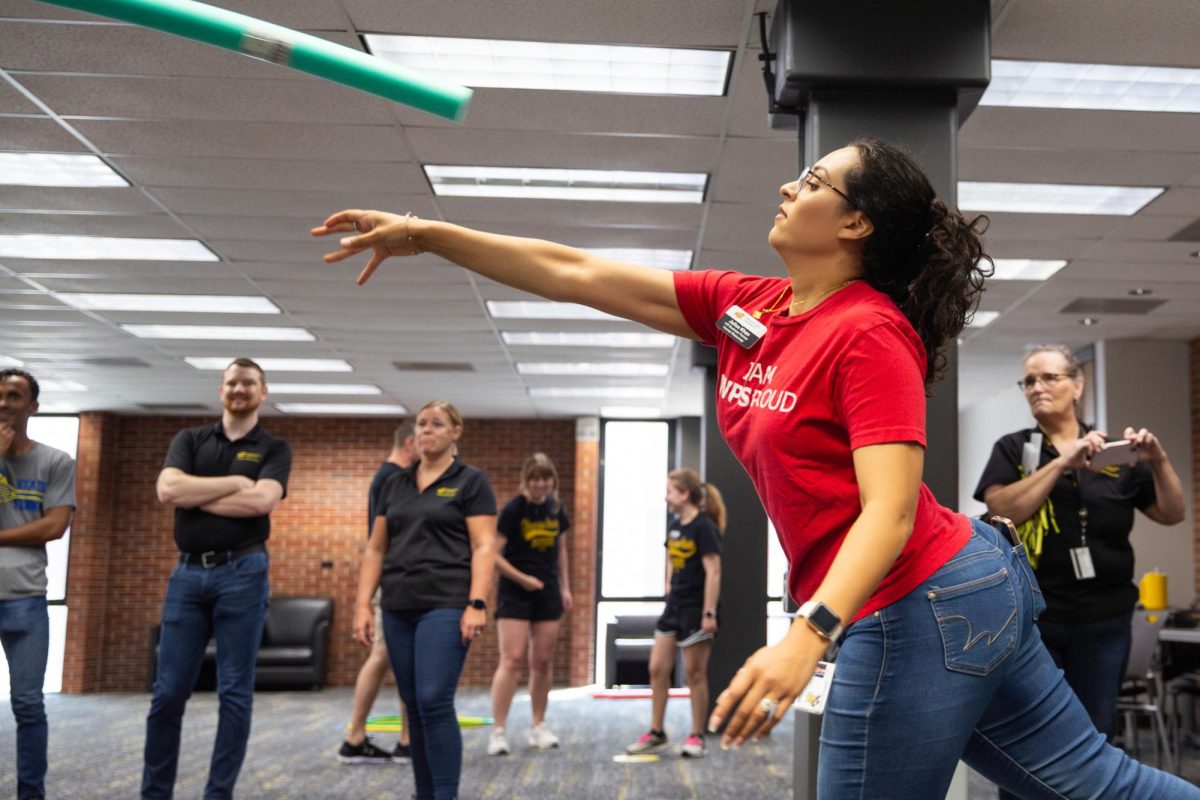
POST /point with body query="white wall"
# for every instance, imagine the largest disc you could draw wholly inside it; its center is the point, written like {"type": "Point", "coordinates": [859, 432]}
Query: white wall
{"type": "Point", "coordinates": [978, 429]}
{"type": "Point", "coordinates": [1145, 384]}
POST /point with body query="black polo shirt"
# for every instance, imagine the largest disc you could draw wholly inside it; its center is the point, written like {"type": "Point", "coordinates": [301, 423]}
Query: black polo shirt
{"type": "Point", "coordinates": [428, 558]}
{"type": "Point", "coordinates": [386, 470]}
{"type": "Point", "coordinates": [206, 452]}
{"type": "Point", "coordinates": [1110, 497]}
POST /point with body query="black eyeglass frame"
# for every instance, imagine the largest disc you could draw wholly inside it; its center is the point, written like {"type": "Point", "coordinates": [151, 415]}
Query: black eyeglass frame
{"type": "Point", "coordinates": [807, 172]}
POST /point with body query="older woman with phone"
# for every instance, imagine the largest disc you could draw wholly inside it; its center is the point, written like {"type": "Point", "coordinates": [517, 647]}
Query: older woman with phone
{"type": "Point", "coordinates": [1072, 495]}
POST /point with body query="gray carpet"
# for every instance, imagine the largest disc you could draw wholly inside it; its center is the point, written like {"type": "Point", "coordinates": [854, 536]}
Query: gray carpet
{"type": "Point", "coordinates": [96, 752]}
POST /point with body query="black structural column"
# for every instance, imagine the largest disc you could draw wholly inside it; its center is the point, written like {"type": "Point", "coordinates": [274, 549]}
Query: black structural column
{"type": "Point", "coordinates": [743, 622]}
{"type": "Point", "coordinates": [910, 73]}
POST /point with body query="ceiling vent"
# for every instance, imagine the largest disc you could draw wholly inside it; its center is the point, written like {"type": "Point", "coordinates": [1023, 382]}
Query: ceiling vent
{"type": "Point", "coordinates": [114, 361]}
{"type": "Point", "coordinates": [1110, 305]}
{"type": "Point", "coordinates": [175, 408]}
{"type": "Point", "coordinates": [433, 366]}
{"type": "Point", "coordinates": [1189, 234]}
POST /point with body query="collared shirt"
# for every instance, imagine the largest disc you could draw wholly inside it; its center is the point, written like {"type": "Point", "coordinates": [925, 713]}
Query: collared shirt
{"type": "Point", "coordinates": [206, 452]}
{"type": "Point", "coordinates": [428, 558]}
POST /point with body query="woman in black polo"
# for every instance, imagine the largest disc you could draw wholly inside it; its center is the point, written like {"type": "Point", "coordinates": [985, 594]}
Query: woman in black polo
{"type": "Point", "coordinates": [1075, 522]}
{"type": "Point", "coordinates": [433, 550]}
{"type": "Point", "coordinates": [534, 593]}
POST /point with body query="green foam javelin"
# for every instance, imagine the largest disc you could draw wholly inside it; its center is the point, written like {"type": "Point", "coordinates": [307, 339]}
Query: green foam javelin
{"type": "Point", "coordinates": [279, 45]}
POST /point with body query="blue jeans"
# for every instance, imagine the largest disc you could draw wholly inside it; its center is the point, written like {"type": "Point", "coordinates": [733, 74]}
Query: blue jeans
{"type": "Point", "coordinates": [25, 636]}
{"type": "Point", "coordinates": [1092, 656]}
{"type": "Point", "coordinates": [228, 603]}
{"type": "Point", "coordinates": [956, 669]}
{"type": "Point", "coordinates": [427, 655]}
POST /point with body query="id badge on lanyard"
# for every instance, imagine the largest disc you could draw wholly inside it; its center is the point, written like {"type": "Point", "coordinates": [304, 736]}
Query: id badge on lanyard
{"type": "Point", "coordinates": [1081, 557]}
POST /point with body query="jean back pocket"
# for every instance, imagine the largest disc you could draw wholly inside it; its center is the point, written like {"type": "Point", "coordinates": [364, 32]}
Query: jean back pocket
{"type": "Point", "coordinates": [978, 622]}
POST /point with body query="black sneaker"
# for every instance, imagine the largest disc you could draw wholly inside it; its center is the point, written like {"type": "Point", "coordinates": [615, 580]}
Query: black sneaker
{"type": "Point", "coordinates": [402, 754]}
{"type": "Point", "coordinates": [365, 753]}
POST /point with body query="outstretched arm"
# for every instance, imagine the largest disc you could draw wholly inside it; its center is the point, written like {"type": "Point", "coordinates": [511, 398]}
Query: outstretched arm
{"type": "Point", "coordinates": [553, 271]}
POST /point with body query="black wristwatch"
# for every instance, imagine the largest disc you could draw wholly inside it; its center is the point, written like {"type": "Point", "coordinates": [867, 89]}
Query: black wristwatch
{"type": "Point", "coordinates": [478, 603]}
{"type": "Point", "coordinates": [710, 614]}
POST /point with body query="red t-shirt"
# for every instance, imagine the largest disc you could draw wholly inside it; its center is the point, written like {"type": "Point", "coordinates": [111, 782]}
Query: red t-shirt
{"type": "Point", "coordinates": [794, 407]}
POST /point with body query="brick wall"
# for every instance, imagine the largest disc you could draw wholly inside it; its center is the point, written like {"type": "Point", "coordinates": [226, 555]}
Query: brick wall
{"type": "Point", "coordinates": [122, 546]}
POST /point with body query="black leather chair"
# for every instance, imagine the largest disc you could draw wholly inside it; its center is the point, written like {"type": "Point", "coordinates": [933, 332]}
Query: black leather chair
{"type": "Point", "coordinates": [627, 652]}
{"type": "Point", "coordinates": [294, 652]}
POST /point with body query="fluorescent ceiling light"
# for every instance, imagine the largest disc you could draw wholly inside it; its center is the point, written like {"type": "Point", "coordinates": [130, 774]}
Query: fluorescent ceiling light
{"type": "Point", "coordinates": [1025, 269]}
{"type": "Point", "coordinates": [240, 333]}
{"type": "Point", "coordinates": [630, 412]}
{"type": "Point", "coordinates": [109, 248]}
{"type": "Point", "coordinates": [390, 409]}
{"type": "Point", "coordinates": [1054, 198]}
{"type": "Point", "coordinates": [674, 260]}
{"type": "Point", "coordinates": [1107, 87]}
{"type": "Point", "coordinates": [50, 385]}
{"type": "Point", "coordinates": [606, 392]}
{"type": "Point", "coordinates": [56, 169]}
{"type": "Point", "coordinates": [275, 364]}
{"type": "Point", "coordinates": [533, 183]}
{"type": "Point", "coordinates": [982, 319]}
{"type": "Point", "coordinates": [507, 64]}
{"type": "Point", "coordinates": [593, 339]}
{"type": "Point", "coordinates": [6, 361]}
{"type": "Point", "coordinates": [324, 388]}
{"type": "Point", "coordinates": [206, 303]}
{"type": "Point", "coordinates": [541, 309]}
{"type": "Point", "coordinates": [612, 369]}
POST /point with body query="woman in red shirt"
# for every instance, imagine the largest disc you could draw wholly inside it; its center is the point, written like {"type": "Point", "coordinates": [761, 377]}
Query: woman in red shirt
{"type": "Point", "coordinates": [821, 397]}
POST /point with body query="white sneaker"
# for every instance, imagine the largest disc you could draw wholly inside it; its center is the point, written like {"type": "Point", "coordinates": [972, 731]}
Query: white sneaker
{"type": "Point", "coordinates": [541, 737]}
{"type": "Point", "coordinates": [498, 743]}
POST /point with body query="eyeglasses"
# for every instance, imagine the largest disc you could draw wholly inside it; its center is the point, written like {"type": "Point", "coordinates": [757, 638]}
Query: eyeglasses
{"type": "Point", "coordinates": [1047, 379]}
{"type": "Point", "coordinates": [807, 173]}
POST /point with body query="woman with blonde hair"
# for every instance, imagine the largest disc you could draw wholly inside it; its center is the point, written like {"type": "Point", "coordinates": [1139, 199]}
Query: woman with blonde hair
{"type": "Point", "coordinates": [534, 593]}
{"type": "Point", "coordinates": [689, 620]}
{"type": "Point", "coordinates": [432, 551]}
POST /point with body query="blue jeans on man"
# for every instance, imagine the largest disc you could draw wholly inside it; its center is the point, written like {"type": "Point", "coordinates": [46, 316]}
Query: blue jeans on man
{"type": "Point", "coordinates": [25, 636]}
{"type": "Point", "coordinates": [427, 655]}
{"type": "Point", "coordinates": [956, 669]}
{"type": "Point", "coordinates": [228, 603]}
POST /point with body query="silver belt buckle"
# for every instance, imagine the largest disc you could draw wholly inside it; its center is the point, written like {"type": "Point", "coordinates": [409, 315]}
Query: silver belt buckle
{"type": "Point", "coordinates": [204, 559]}
{"type": "Point", "coordinates": [998, 521]}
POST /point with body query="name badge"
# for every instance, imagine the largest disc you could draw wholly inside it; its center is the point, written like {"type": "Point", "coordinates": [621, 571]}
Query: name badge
{"type": "Point", "coordinates": [1081, 561]}
{"type": "Point", "coordinates": [812, 699]}
{"type": "Point", "coordinates": [741, 326]}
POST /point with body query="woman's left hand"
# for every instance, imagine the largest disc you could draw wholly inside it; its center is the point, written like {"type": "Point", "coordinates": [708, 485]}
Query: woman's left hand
{"type": "Point", "coordinates": [766, 686]}
{"type": "Point", "coordinates": [1146, 444]}
{"type": "Point", "coordinates": [474, 620]}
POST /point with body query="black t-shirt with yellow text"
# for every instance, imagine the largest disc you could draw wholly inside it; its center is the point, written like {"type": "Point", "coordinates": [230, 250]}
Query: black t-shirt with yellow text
{"type": "Point", "coordinates": [533, 534]}
{"type": "Point", "coordinates": [686, 546]}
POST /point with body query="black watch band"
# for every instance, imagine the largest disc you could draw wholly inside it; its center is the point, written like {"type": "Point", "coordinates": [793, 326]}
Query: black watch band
{"type": "Point", "coordinates": [478, 602]}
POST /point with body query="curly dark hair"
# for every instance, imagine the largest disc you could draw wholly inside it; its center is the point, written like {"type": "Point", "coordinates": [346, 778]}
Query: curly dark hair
{"type": "Point", "coordinates": [923, 254]}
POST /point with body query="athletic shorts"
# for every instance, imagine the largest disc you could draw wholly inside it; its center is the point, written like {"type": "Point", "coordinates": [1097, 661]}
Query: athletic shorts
{"type": "Point", "coordinates": [682, 622]}
{"type": "Point", "coordinates": [542, 605]}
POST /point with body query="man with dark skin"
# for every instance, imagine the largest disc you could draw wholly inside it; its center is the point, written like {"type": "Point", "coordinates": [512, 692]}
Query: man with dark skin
{"type": "Point", "coordinates": [37, 498]}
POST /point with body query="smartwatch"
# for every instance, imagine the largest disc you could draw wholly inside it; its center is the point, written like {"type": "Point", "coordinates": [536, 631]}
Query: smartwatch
{"type": "Point", "coordinates": [821, 618]}
{"type": "Point", "coordinates": [710, 614]}
{"type": "Point", "coordinates": [478, 603]}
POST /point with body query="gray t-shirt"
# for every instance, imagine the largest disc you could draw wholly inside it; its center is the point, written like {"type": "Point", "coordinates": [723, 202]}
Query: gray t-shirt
{"type": "Point", "coordinates": [42, 478]}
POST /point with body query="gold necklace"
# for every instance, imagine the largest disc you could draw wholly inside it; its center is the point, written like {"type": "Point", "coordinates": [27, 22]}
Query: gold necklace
{"type": "Point", "coordinates": [815, 297]}
{"type": "Point", "coordinates": [774, 306]}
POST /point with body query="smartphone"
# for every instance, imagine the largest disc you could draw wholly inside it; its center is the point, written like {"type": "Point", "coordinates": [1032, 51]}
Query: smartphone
{"type": "Point", "coordinates": [1114, 454]}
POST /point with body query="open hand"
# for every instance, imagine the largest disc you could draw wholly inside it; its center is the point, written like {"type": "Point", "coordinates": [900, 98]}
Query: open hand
{"type": "Point", "coordinates": [383, 233]}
